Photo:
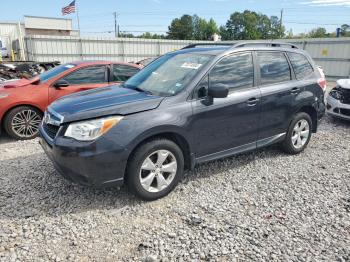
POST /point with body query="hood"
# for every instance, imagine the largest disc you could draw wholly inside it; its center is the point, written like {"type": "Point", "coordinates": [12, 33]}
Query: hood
{"type": "Point", "coordinates": [111, 100]}
{"type": "Point", "coordinates": [19, 82]}
{"type": "Point", "coordinates": [344, 83]}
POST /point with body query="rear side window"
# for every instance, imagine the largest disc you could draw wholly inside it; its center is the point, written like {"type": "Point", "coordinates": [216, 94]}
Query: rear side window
{"type": "Point", "coordinates": [301, 65]}
{"type": "Point", "coordinates": [235, 72]}
{"type": "Point", "coordinates": [87, 75]}
{"type": "Point", "coordinates": [121, 73]}
{"type": "Point", "coordinates": [274, 68]}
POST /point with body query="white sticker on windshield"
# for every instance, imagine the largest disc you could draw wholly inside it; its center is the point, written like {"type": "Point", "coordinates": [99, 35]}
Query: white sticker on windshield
{"type": "Point", "coordinates": [191, 65]}
{"type": "Point", "coordinates": [69, 66]}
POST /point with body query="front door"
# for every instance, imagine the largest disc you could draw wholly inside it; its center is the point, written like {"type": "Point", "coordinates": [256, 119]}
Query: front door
{"type": "Point", "coordinates": [230, 124]}
{"type": "Point", "coordinates": [80, 80]}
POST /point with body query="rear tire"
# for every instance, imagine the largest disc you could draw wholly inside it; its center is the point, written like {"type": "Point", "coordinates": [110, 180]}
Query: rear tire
{"type": "Point", "coordinates": [298, 134]}
{"type": "Point", "coordinates": [155, 168]}
{"type": "Point", "coordinates": [22, 123]}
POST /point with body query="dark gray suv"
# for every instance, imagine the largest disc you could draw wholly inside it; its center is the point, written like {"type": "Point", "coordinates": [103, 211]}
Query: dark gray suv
{"type": "Point", "coordinates": [187, 107]}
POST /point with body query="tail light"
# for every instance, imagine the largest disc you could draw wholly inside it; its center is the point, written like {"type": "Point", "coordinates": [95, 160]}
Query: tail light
{"type": "Point", "coordinates": [322, 83]}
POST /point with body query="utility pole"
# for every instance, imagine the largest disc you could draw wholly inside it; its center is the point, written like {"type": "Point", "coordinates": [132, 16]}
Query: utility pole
{"type": "Point", "coordinates": [116, 33]}
{"type": "Point", "coordinates": [281, 23]}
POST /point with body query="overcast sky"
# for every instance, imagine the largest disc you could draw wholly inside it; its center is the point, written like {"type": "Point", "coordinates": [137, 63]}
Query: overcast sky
{"type": "Point", "coordinates": [155, 15]}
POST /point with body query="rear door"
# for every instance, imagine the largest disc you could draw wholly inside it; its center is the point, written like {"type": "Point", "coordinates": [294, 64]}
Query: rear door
{"type": "Point", "coordinates": [279, 90]}
{"type": "Point", "coordinates": [82, 79]}
{"type": "Point", "coordinates": [228, 123]}
{"type": "Point", "coordinates": [120, 73]}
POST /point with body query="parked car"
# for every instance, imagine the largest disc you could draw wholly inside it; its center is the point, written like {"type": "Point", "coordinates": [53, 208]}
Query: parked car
{"type": "Point", "coordinates": [338, 100]}
{"type": "Point", "coordinates": [187, 107]}
{"type": "Point", "coordinates": [23, 102]}
{"type": "Point", "coordinates": [146, 62]}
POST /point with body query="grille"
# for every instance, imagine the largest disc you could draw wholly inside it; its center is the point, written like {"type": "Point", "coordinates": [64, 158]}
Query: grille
{"type": "Point", "coordinates": [344, 111]}
{"type": "Point", "coordinates": [51, 130]}
{"type": "Point", "coordinates": [345, 95]}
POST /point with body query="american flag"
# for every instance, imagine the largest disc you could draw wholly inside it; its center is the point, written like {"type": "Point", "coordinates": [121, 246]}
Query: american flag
{"type": "Point", "coordinates": [69, 9]}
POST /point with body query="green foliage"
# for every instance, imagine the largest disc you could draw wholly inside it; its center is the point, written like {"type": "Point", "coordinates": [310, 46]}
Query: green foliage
{"type": "Point", "coordinates": [318, 32]}
{"type": "Point", "coordinates": [181, 28]}
{"type": "Point", "coordinates": [192, 27]}
{"type": "Point", "coordinates": [250, 26]}
{"type": "Point", "coordinates": [345, 30]}
{"type": "Point", "coordinates": [149, 35]}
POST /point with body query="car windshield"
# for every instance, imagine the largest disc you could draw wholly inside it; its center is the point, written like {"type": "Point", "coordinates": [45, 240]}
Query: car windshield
{"type": "Point", "coordinates": [169, 74]}
{"type": "Point", "coordinates": [55, 72]}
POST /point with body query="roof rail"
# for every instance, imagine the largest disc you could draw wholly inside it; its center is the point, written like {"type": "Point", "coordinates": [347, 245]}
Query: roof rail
{"type": "Point", "coordinates": [246, 43]}
{"type": "Point", "coordinates": [265, 43]}
{"type": "Point", "coordinates": [209, 44]}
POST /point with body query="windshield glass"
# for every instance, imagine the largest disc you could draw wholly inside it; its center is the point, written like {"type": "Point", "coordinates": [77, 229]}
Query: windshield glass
{"type": "Point", "coordinates": [169, 74]}
{"type": "Point", "coordinates": [54, 72]}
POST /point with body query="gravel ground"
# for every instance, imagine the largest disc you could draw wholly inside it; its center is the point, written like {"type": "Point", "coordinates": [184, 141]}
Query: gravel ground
{"type": "Point", "coordinates": [263, 205]}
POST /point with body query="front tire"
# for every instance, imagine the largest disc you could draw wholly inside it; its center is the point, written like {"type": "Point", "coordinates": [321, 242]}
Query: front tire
{"type": "Point", "coordinates": [22, 123]}
{"type": "Point", "coordinates": [298, 135]}
{"type": "Point", "coordinates": [155, 169]}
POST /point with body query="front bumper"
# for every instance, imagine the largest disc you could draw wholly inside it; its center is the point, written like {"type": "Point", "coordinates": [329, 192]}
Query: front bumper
{"type": "Point", "coordinates": [337, 109]}
{"type": "Point", "coordinates": [99, 164]}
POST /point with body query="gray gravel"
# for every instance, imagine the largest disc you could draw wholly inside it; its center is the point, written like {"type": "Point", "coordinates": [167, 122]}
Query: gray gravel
{"type": "Point", "coordinates": [258, 206]}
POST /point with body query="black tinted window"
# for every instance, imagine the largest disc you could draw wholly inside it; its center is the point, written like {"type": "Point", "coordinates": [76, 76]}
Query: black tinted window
{"type": "Point", "coordinates": [234, 72]}
{"type": "Point", "coordinates": [87, 75]}
{"type": "Point", "coordinates": [274, 67]}
{"type": "Point", "coordinates": [121, 73]}
{"type": "Point", "coordinates": [301, 65]}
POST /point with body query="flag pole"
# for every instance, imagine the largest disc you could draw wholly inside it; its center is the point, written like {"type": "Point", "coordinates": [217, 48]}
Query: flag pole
{"type": "Point", "coordinates": [76, 8]}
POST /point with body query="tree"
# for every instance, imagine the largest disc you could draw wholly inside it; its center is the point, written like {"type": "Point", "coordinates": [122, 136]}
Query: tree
{"type": "Point", "coordinates": [318, 33]}
{"type": "Point", "coordinates": [148, 35]}
{"type": "Point", "coordinates": [192, 27]}
{"type": "Point", "coordinates": [211, 29]}
{"type": "Point", "coordinates": [277, 31]}
{"type": "Point", "coordinates": [181, 28]}
{"type": "Point", "coordinates": [345, 30]}
{"type": "Point", "coordinates": [251, 25]}
{"type": "Point", "coordinates": [199, 28]}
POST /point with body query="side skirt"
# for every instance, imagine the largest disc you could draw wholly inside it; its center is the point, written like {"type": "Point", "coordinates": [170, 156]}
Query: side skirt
{"type": "Point", "coordinates": [240, 149]}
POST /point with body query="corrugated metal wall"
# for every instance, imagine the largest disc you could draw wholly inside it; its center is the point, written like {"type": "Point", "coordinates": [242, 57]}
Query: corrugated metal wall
{"type": "Point", "coordinates": [332, 54]}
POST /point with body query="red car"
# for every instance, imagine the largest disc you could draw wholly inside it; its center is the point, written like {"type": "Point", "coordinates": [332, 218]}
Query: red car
{"type": "Point", "coordinates": [22, 102]}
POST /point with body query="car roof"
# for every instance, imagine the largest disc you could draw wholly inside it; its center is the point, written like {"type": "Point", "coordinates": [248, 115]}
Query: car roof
{"type": "Point", "coordinates": [219, 49]}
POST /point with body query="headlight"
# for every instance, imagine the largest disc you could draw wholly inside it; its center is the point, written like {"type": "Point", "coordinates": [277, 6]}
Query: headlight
{"type": "Point", "coordinates": [335, 94]}
{"type": "Point", "coordinates": [3, 95]}
{"type": "Point", "coordinates": [91, 129]}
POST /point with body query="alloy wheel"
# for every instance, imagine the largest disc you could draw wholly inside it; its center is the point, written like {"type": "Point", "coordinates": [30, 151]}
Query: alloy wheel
{"type": "Point", "coordinates": [158, 170]}
{"type": "Point", "coordinates": [300, 134]}
{"type": "Point", "coordinates": [25, 123]}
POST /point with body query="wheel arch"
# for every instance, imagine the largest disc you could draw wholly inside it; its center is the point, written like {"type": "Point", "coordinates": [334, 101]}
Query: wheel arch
{"type": "Point", "coordinates": [173, 136]}
{"type": "Point", "coordinates": [312, 112]}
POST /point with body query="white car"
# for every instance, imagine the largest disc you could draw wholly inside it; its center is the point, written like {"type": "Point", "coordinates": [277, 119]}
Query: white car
{"type": "Point", "coordinates": [338, 100]}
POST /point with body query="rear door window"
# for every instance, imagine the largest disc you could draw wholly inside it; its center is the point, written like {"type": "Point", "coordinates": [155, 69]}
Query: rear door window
{"type": "Point", "coordinates": [274, 68]}
{"type": "Point", "coordinates": [121, 73]}
{"type": "Point", "coordinates": [301, 65]}
{"type": "Point", "coordinates": [87, 75]}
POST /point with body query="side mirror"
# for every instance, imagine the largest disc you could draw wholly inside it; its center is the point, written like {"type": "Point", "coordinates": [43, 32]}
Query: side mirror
{"type": "Point", "coordinates": [218, 91]}
{"type": "Point", "coordinates": [61, 83]}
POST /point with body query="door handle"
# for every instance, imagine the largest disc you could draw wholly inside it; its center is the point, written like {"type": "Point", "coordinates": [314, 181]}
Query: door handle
{"type": "Point", "coordinates": [295, 90]}
{"type": "Point", "coordinates": [252, 101]}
